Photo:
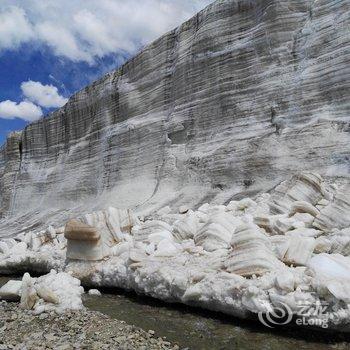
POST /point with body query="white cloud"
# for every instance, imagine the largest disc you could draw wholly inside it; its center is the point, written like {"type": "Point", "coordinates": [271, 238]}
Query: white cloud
{"type": "Point", "coordinates": [36, 94]}
{"type": "Point", "coordinates": [82, 30]}
{"type": "Point", "coordinates": [94, 32]}
{"type": "Point", "coordinates": [44, 95]}
{"type": "Point", "coordinates": [62, 41]}
{"type": "Point", "coordinates": [14, 28]}
{"type": "Point", "coordinates": [25, 110]}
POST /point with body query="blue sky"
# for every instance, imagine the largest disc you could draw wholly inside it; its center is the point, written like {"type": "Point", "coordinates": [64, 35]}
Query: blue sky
{"type": "Point", "coordinates": [45, 57]}
{"type": "Point", "coordinates": [42, 66]}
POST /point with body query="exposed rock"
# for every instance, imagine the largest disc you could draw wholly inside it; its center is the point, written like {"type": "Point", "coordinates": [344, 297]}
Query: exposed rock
{"type": "Point", "coordinates": [80, 329]}
{"type": "Point", "coordinates": [78, 231]}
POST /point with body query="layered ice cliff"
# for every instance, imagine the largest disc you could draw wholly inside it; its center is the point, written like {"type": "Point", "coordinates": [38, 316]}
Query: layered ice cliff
{"type": "Point", "coordinates": [241, 96]}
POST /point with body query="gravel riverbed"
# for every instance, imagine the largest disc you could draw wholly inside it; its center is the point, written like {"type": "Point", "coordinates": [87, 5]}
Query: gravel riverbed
{"type": "Point", "coordinates": [20, 329]}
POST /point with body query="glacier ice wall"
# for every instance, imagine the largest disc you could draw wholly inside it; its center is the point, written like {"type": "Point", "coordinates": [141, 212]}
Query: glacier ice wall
{"type": "Point", "coordinates": [238, 98]}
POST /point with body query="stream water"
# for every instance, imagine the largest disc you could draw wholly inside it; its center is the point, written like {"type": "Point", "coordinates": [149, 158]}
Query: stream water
{"type": "Point", "coordinates": [201, 330]}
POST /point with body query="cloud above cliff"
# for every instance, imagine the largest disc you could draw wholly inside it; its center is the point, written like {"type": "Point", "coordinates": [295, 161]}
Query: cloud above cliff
{"type": "Point", "coordinates": [24, 110]}
{"type": "Point", "coordinates": [69, 44]}
{"type": "Point", "coordinates": [35, 95]}
{"type": "Point", "coordinates": [14, 28]}
{"type": "Point", "coordinates": [83, 30]}
{"type": "Point", "coordinates": [44, 95]}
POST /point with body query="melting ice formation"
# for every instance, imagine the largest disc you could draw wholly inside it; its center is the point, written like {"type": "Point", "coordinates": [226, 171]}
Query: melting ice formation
{"type": "Point", "coordinates": [290, 246]}
{"type": "Point", "coordinates": [52, 292]}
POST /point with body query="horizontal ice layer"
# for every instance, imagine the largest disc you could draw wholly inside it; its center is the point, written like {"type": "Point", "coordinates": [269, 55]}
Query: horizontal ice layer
{"type": "Point", "coordinates": [233, 101]}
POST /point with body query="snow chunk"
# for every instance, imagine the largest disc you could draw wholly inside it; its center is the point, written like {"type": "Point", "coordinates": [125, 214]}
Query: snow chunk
{"type": "Point", "coordinates": [217, 232]}
{"type": "Point", "coordinates": [333, 273]}
{"type": "Point", "coordinates": [251, 253]}
{"type": "Point", "coordinates": [166, 248]}
{"type": "Point", "coordinates": [11, 291]}
{"type": "Point", "coordinates": [331, 266]}
{"type": "Point", "coordinates": [95, 292]}
{"type": "Point", "coordinates": [52, 292]}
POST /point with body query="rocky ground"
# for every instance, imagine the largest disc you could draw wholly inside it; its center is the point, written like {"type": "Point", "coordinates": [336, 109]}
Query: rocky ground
{"type": "Point", "coordinates": [20, 329]}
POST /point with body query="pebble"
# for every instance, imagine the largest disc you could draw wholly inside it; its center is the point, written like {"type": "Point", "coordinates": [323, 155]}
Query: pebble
{"type": "Point", "coordinates": [73, 330]}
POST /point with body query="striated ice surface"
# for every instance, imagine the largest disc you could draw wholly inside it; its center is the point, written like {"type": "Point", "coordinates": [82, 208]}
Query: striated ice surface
{"type": "Point", "coordinates": [240, 97]}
